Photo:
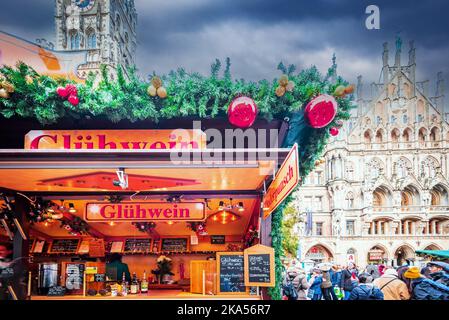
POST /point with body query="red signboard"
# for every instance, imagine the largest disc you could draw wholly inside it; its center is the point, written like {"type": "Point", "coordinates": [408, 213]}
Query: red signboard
{"type": "Point", "coordinates": [287, 178]}
{"type": "Point", "coordinates": [145, 211]}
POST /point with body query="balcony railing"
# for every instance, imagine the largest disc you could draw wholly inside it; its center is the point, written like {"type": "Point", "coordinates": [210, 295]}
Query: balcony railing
{"type": "Point", "coordinates": [411, 209]}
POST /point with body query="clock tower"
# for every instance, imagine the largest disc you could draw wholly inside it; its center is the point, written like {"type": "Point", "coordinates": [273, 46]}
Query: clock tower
{"type": "Point", "coordinates": [104, 29]}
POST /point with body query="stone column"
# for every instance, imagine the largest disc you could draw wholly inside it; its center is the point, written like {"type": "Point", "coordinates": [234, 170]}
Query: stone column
{"type": "Point", "coordinates": [434, 226]}
{"type": "Point", "coordinates": [379, 227]}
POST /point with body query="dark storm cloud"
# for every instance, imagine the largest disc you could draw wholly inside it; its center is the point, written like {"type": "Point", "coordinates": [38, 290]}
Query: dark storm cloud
{"type": "Point", "coordinates": [258, 34]}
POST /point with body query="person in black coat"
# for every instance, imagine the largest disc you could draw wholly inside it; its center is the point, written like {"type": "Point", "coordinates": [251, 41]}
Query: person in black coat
{"type": "Point", "coordinates": [348, 277]}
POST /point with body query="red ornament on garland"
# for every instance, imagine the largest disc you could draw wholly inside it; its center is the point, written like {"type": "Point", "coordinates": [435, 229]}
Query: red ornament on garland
{"type": "Point", "coordinates": [62, 92]}
{"type": "Point", "coordinates": [321, 111]}
{"type": "Point", "coordinates": [71, 89]}
{"type": "Point", "coordinates": [334, 131]}
{"type": "Point", "coordinates": [242, 112]}
{"type": "Point", "coordinates": [73, 100]}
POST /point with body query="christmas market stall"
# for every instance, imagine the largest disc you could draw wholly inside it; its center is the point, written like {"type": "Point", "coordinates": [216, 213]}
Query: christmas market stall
{"type": "Point", "coordinates": [175, 187]}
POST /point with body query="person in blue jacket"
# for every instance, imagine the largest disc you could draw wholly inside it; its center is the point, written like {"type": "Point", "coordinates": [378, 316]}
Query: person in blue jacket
{"type": "Point", "coordinates": [315, 285]}
{"type": "Point", "coordinates": [425, 289]}
{"type": "Point", "coordinates": [366, 290]}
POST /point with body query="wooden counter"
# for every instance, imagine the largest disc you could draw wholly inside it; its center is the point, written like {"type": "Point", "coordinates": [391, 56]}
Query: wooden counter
{"type": "Point", "coordinates": [156, 295]}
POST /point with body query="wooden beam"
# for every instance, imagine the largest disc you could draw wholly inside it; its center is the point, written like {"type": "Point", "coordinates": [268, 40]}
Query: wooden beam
{"type": "Point", "coordinates": [20, 246]}
{"type": "Point", "coordinates": [38, 234]}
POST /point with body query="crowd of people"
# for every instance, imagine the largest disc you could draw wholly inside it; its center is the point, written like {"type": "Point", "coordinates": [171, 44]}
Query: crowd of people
{"type": "Point", "coordinates": [375, 282]}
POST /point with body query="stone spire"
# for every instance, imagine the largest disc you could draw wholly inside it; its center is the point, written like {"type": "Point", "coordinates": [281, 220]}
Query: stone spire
{"type": "Point", "coordinates": [386, 68]}
{"type": "Point", "coordinates": [440, 92]}
{"type": "Point", "coordinates": [359, 92]}
{"type": "Point", "coordinates": [412, 66]}
{"type": "Point", "coordinates": [397, 62]}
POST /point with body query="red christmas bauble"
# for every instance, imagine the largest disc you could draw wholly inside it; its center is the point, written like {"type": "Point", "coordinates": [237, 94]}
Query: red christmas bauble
{"type": "Point", "coordinates": [73, 100]}
{"type": "Point", "coordinates": [62, 92]}
{"type": "Point", "coordinates": [321, 111]}
{"type": "Point", "coordinates": [334, 131]}
{"type": "Point", "coordinates": [242, 112]}
{"type": "Point", "coordinates": [71, 89]}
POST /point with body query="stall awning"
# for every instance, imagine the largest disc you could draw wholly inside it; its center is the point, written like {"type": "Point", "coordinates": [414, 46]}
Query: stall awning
{"type": "Point", "coordinates": [50, 171]}
{"type": "Point", "coordinates": [444, 254]}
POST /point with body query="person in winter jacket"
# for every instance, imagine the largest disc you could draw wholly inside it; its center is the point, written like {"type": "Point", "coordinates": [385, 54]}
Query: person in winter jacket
{"type": "Point", "coordinates": [366, 290]}
{"type": "Point", "coordinates": [335, 273]}
{"type": "Point", "coordinates": [299, 280]}
{"type": "Point", "coordinates": [315, 285]}
{"type": "Point", "coordinates": [425, 289]}
{"type": "Point", "coordinates": [391, 286]}
{"type": "Point", "coordinates": [348, 279]}
{"type": "Point", "coordinates": [326, 286]}
{"type": "Point", "coordinates": [439, 272]}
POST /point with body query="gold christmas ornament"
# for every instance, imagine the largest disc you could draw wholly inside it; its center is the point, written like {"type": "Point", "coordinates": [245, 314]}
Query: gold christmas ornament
{"type": "Point", "coordinates": [340, 91]}
{"type": "Point", "coordinates": [280, 91]}
{"type": "Point", "coordinates": [283, 80]}
{"type": "Point", "coordinates": [156, 82]}
{"type": "Point", "coordinates": [4, 94]}
{"type": "Point", "coordinates": [29, 79]}
{"type": "Point", "coordinates": [9, 87]}
{"type": "Point", "coordinates": [162, 93]}
{"type": "Point", "coordinates": [290, 86]}
{"type": "Point", "coordinates": [152, 91]}
{"type": "Point", "coordinates": [350, 89]}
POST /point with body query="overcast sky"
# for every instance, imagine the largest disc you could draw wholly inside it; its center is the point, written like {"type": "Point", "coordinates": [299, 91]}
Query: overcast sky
{"type": "Point", "coordinates": [257, 34]}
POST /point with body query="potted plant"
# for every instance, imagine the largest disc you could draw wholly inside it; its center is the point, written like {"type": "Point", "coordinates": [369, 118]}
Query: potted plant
{"type": "Point", "coordinates": [164, 267]}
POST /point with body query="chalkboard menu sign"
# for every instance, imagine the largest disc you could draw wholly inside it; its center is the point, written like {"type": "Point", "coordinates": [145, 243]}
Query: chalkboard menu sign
{"type": "Point", "coordinates": [57, 291]}
{"type": "Point", "coordinates": [174, 244]}
{"type": "Point", "coordinates": [231, 270]}
{"type": "Point", "coordinates": [259, 266]}
{"type": "Point", "coordinates": [217, 239]}
{"type": "Point", "coordinates": [64, 246]}
{"type": "Point", "coordinates": [137, 245]}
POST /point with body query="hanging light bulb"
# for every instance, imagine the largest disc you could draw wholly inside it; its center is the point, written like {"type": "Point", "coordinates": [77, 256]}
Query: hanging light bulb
{"type": "Point", "coordinates": [72, 208]}
{"type": "Point", "coordinates": [221, 205]}
{"type": "Point", "coordinates": [241, 207]}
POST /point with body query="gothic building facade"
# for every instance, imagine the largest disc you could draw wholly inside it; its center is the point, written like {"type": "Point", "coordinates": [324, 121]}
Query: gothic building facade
{"type": "Point", "coordinates": [383, 191]}
{"type": "Point", "coordinates": [104, 29]}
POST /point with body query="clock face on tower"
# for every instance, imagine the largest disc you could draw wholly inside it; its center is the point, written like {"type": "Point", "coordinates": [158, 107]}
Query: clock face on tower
{"type": "Point", "coordinates": [84, 5]}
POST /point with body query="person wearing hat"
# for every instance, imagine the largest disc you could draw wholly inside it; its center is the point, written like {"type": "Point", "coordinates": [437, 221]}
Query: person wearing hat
{"type": "Point", "coordinates": [439, 272]}
{"type": "Point", "coordinates": [327, 289]}
{"type": "Point", "coordinates": [391, 286]}
{"type": "Point", "coordinates": [425, 289]}
{"type": "Point", "coordinates": [366, 290]}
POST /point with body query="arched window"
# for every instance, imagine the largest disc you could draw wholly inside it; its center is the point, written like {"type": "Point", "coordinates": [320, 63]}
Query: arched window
{"type": "Point", "coordinates": [74, 41]}
{"type": "Point", "coordinates": [420, 110]}
{"type": "Point", "coordinates": [350, 200]}
{"type": "Point", "coordinates": [435, 134]}
{"type": "Point", "coordinates": [422, 135]}
{"type": "Point", "coordinates": [407, 135]}
{"type": "Point", "coordinates": [395, 135]}
{"type": "Point", "coordinates": [367, 137]}
{"type": "Point", "coordinates": [379, 136]}
{"type": "Point", "coordinates": [91, 40]}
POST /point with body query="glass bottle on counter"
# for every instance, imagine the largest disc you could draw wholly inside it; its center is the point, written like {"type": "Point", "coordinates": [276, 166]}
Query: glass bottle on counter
{"type": "Point", "coordinates": [124, 286]}
{"type": "Point", "coordinates": [134, 289]}
{"type": "Point", "coordinates": [144, 283]}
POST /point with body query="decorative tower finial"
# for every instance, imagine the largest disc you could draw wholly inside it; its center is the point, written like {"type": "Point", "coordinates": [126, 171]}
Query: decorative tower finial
{"type": "Point", "coordinates": [412, 66]}
{"type": "Point", "coordinates": [386, 68]}
{"type": "Point", "coordinates": [398, 50]}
